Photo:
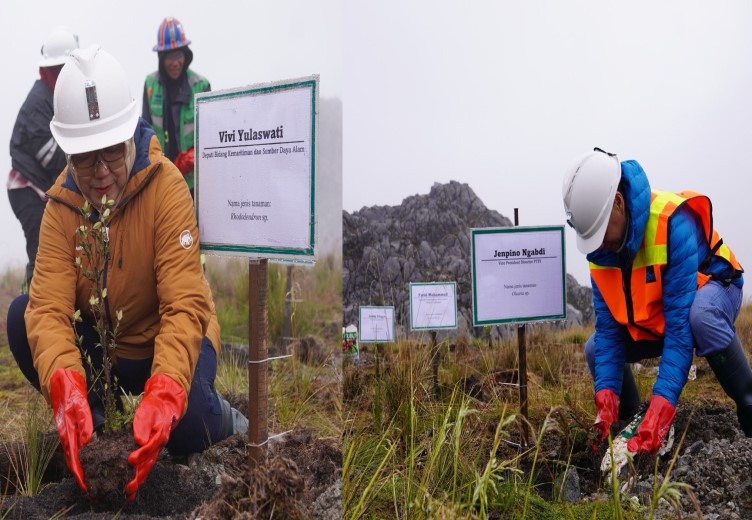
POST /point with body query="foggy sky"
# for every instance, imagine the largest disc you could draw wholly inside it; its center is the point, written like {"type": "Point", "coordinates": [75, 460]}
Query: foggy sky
{"type": "Point", "coordinates": [503, 95]}
{"type": "Point", "coordinates": [499, 95]}
{"type": "Point", "coordinates": [235, 43]}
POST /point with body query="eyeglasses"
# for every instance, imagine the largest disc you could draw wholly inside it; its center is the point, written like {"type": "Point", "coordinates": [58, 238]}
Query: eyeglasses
{"type": "Point", "coordinates": [88, 160]}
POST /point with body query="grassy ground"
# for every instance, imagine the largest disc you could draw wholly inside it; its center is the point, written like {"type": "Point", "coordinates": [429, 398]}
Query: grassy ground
{"type": "Point", "coordinates": [411, 454]}
{"type": "Point", "coordinates": [17, 397]}
{"type": "Point", "coordinates": [300, 394]}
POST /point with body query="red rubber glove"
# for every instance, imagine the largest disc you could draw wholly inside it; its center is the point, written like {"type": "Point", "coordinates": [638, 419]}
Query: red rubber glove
{"type": "Point", "coordinates": [654, 426]}
{"type": "Point", "coordinates": [157, 415]}
{"type": "Point", "coordinates": [607, 403]}
{"type": "Point", "coordinates": [72, 417]}
{"type": "Point", "coordinates": [185, 161]}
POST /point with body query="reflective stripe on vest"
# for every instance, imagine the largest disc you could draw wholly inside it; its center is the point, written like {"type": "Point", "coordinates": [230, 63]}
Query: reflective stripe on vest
{"type": "Point", "coordinates": [186, 124]}
{"type": "Point", "coordinates": [635, 298]}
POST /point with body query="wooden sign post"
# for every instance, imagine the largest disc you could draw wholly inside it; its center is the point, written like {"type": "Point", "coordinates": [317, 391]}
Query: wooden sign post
{"type": "Point", "coordinates": [522, 364]}
{"type": "Point", "coordinates": [433, 306]}
{"type": "Point", "coordinates": [255, 197]}
{"type": "Point", "coordinates": [518, 276]}
{"type": "Point", "coordinates": [258, 351]}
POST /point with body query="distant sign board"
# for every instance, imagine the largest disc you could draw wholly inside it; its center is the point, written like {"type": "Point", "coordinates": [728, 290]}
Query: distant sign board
{"type": "Point", "coordinates": [376, 324]}
{"type": "Point", "coordinates": [255, 170]}
{"type": "Point", "coordinates": [433, 305]}
{"type": "Point", "coordinates": [518, 274]}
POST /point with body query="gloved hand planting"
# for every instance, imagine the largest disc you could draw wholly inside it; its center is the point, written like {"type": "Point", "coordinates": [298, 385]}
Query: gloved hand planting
{"type": "Point", "coordinates": [72, 417]}
{"type": "Point", "coordinates": [654, 426]}
{"type": "Point", "coordinates": [157, 415]}
{"type": "Point", "coordinates": [185, 161]}
{"type": "Point", "coordinates": [607, 403]}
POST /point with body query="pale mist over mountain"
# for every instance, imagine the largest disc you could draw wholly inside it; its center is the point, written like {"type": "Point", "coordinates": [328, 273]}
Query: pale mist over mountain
{"type": "Point", "coordinates": [329, 177]}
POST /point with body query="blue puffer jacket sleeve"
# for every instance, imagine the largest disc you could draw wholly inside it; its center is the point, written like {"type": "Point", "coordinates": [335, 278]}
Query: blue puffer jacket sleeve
{"type": "Point", "coordinates": [610, 344]}
{"type": "Point", "coordinates": [679, 288]}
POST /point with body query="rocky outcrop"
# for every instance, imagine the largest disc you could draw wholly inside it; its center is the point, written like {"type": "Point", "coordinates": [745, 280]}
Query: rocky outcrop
{"type": "Point", "coordinates": [425, 239]}
{"type": "Point", "coordinates": [581, 299]}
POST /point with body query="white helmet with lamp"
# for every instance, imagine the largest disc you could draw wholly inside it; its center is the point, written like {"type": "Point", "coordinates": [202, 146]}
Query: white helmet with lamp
{"type": "Point", "coordinates": [93, 104]}
{"type": "Point", "coordinates": [589, 189]}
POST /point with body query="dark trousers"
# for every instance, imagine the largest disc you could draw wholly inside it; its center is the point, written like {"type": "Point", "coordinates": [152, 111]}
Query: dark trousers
{"type": "Point", "coordinates": [29, 209]}
{"type": "Point", "coordinates": [201, 425]}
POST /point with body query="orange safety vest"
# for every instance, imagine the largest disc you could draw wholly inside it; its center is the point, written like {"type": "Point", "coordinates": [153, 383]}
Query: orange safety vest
{"type": "Point", "coordinates": [635, 298]}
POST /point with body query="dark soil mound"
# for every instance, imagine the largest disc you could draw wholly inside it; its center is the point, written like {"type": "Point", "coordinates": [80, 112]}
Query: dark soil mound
{"type": "Point", "coordinates": [214, 484]}
{"type": "Point", "coordinates": [713, 459]}
{"type": "Point", "coordinates": [106, 470]}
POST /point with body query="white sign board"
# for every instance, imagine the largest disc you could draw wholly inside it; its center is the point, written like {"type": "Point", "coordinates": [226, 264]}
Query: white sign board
{"type": "Point", "coordinates": [255, 170]}
{"type": "Point", "coordinates": [518, 274]}
{"type": "Point", "coordinates": [376, 324]}
{"type": "Point", "coordinates": [433, 305]}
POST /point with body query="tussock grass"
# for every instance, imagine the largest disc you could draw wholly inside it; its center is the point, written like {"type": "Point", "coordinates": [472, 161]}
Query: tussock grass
{"type": "Point", "coordinates": [299, 394]}
{"type": "Point", "coordinates": [317, 291]}
{"type": "Point", "coordinates": [29, 459]}
{"type": "Point", "coordinates": [410, 455]}
{"type": "Point", "coordinates": [12, 280]}
{"type": "Point", "coordinates": [305, 395]}
{"type": "Point", "coordinates": [232, 373]}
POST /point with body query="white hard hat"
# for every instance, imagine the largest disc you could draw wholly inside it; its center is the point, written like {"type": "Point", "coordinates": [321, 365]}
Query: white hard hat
{"type": "Point", "coordinates": [589, 189]}
{"type": "Point", "coordinates": [93, 104]}
{"type": "Point", "coordinates": [57, 46]}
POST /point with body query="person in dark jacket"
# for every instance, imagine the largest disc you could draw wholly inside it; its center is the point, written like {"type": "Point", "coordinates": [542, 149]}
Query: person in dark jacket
{"type": "Point", "coordinates": [169, 92]}
{"type": "Point", "coordinates": [664, 284]}
{"type": "Point", "coordinates": [36, 159]}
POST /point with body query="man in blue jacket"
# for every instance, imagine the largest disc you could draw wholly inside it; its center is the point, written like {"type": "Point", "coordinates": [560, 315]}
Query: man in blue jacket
{"type": "Point", "coordinates": [664, 284]}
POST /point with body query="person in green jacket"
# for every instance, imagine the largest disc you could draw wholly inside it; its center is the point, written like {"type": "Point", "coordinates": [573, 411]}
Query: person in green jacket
{"type": "Point", "coordinates": [169, 96]}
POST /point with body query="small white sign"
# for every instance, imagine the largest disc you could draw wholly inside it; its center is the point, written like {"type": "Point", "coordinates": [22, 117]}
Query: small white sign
{"type": "Point", "coordinates": [518, 274]}
{"type": "Point", "coordinates": [255, 170]}
{"type": "Point", "coordinates": [376, 324]}
{"type": "Point", "coordinates": [433, 305]}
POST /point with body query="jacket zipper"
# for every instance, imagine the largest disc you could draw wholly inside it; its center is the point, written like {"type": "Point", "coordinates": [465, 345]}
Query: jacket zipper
{"type": "Point", "coordinates": [626, 286]}
{"type": "Point", "coordinates": [104, 279]}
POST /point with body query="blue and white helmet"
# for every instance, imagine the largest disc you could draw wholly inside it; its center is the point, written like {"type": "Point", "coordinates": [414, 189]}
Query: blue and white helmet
{"type": "Point", "coordinates": [171, 35]}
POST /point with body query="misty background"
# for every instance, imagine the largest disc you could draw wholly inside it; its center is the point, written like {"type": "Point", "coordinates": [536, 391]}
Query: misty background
{"type": "Point", "coordinates": [499, 95]}
{"type": "Point", "coordinates": [234, 44]}
{"type": "Point", "coordinates": [504, 95]}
